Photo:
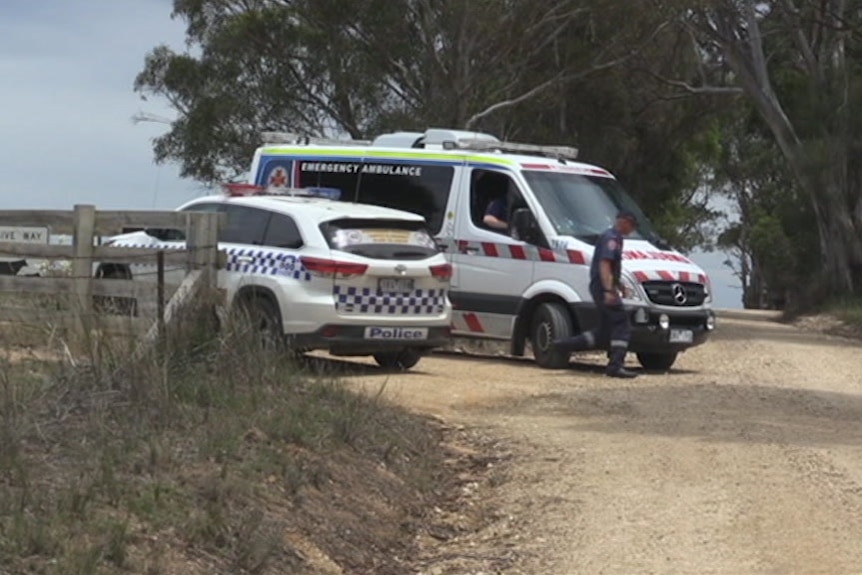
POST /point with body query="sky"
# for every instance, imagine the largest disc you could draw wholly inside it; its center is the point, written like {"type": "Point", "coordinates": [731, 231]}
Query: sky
{"type": "Point", "coordinates": [66, 108]}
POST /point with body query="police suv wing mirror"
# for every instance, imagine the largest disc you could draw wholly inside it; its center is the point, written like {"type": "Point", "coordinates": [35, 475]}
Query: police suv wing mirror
{"type": "Point", "coordinates": [524, 225]}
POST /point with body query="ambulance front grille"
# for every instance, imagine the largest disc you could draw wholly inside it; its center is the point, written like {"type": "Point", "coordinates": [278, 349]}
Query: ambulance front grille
{"type": "Point", "coordinates": [677, 294]}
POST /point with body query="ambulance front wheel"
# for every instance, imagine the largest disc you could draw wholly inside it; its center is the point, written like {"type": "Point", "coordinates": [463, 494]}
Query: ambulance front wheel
{"type": "Point", "coordinates": [550, 321]}
{"type": "Point", "coordinates": [401, 360]}
{"type": "Point", "coordinates": [657, 361]}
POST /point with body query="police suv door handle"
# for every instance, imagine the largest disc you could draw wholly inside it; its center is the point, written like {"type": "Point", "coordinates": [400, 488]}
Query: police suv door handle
{"type": "Point", "coordinates": [244, 259]}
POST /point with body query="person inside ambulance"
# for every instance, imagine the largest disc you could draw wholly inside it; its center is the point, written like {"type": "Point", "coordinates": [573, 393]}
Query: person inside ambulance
{"type": "Point", "coordinates": [496, 213]}
{"type": "Point", "coordinates": [490, 200]}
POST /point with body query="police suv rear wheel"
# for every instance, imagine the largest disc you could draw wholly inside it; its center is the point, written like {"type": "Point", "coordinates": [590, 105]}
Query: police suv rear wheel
{"type": "Point", "coordinates": [401, 360]}
{"type": "Point", "coordinates": [657, 361]}
{"type": "Point", "coordinates": [265, 321]}
{"type": "Point", "coordinates": [550, 321]}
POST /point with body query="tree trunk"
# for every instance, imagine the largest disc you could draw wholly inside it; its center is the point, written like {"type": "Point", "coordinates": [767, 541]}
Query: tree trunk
{"type": "Point", "coordinates": [840, 245]}
{"type": "Point", "coordinates": [840, 233]}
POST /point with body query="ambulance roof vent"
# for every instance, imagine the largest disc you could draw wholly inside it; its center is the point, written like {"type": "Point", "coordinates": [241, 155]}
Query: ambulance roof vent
{"type": "Point", "coordinates": [432, 138]}
{"type": "Point", "coordinates": [449, 139]}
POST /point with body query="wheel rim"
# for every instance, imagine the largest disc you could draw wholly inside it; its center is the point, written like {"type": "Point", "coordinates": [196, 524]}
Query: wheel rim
{"type": "Point", "coordinates": [543, 336]}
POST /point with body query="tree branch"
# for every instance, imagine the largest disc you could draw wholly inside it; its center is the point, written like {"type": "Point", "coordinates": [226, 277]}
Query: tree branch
{"type": "Point", "coordinates": [562, 77]}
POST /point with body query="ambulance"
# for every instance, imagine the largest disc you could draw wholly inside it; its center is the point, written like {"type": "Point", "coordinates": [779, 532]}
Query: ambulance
{"type": "Point", "coordinates": [526, 281]}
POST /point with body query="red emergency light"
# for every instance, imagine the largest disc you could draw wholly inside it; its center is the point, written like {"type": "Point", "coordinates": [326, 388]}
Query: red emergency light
{"type": "Point", "coordinates": [241, 189]}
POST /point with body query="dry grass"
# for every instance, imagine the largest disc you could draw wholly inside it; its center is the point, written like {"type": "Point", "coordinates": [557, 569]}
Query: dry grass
{"type": "Point", "coordinates": [199, 458]}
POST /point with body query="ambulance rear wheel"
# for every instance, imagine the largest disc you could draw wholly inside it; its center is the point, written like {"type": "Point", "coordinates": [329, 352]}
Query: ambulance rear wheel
{"type": "Point", "coordinates": [550, 321]}
{"type": "Point", "coordinates": [401, 360]}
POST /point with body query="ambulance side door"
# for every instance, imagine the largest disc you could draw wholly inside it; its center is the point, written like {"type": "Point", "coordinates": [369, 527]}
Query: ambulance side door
{"type": "Point", "coordinates": [493, 268]}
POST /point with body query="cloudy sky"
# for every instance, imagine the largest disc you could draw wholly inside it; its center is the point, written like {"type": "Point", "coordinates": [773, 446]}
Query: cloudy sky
{"type": "Point", "coordinates": [66, 107]}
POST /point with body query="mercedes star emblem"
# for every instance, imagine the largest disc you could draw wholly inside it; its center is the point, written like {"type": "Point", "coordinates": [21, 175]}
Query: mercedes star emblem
{"type": "Point", "coordinates": [679, 295]}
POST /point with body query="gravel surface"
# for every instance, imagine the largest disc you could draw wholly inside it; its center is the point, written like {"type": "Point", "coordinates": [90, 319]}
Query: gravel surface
{"type": "Point", "coordinates": [745, 458]}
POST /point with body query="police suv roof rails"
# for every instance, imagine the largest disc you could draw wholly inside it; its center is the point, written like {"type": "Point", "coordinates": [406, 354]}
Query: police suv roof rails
{"type": "Point", "coordinates": [291, 138]}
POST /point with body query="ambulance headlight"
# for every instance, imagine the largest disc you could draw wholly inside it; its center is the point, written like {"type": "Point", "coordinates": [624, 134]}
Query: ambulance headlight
{"type": "Point", "coordinates": [664, 321]}
{"type": "Point", "coordinates": [630, 288]}
{"type": "Point", "coordinates": [707, 292]}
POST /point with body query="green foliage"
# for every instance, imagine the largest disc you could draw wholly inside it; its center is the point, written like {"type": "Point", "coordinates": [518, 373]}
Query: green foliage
{"type": "Point", "coordinates": [572, 71]}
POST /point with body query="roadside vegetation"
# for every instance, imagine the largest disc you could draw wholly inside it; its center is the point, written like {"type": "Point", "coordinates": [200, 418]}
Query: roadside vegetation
{"type": "Point", "coordinates": [848, 311]}
{"type": "Point", "coordinates": [210, 454]}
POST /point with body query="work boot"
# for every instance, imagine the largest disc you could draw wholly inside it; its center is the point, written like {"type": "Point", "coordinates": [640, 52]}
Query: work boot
{"type": "Point", "coordinates": [620, 372]}
{"type": "Point", "coordinates": [616, 365]}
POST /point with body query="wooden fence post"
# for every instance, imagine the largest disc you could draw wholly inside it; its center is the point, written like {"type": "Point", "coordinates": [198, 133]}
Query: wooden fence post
{"type": "Point", "coordinates": [82, 265]}
{"type": "Point", "coordinates": [202, 246]}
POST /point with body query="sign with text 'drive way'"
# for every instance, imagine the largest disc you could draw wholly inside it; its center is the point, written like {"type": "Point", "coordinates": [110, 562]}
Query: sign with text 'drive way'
{"type": "Point", "coordinates": [24, 235]}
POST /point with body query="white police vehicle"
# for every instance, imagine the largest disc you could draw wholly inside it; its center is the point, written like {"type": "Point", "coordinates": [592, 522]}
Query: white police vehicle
{"type": "Point", "coordinates": [350, 278]}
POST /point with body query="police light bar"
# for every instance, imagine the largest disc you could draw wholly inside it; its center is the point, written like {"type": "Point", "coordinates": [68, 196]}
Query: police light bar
{"type": "Point", "coordinates": [291, 138]}
{"type": "Point", "coordinates": [240, 190]}
{"type": "Point", "coordinates": [566, 152]}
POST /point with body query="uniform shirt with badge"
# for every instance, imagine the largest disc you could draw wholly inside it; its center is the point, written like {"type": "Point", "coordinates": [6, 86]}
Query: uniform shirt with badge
{"type": "Point", "coordinates": [608, 247]}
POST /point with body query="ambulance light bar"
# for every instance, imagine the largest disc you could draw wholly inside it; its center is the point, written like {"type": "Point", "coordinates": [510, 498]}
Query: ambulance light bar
{"type": "Point", "coordinates": [291, 138]}
{"type": "Point", "coordinates": [565, 152]}
{"type": "Point", "coordinates": [240, 190]}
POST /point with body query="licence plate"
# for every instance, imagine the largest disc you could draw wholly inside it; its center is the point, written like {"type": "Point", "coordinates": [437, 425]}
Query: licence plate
{"type": "Point", "coordinates": [681, 336]}
{"type": "Point", "coordinates": [395, 285]}
{"type": "Point", "coordinates": [396, 333]}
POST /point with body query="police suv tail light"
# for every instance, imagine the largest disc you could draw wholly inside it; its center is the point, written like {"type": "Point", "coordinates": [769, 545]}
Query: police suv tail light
{"type": "Point", "coordinates": [327, 267]}
{"type": "Point", "coordinates": [442, 272]}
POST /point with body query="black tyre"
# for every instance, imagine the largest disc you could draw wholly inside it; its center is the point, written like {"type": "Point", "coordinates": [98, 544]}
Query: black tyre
{"type": "Point", "coordinates": [113, 305]}
{"type": "Point", "coordinates": [264, 318]}
{"type": "Point", "coordinates": [657, 361]}
{"type": "Point", "coordinates": [550, 321]}
{"type": "Point", "coordinates": [401, 360]}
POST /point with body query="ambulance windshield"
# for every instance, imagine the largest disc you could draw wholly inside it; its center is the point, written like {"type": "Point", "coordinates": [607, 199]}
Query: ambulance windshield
{"type": "Point", "coordinates": [585, 206]}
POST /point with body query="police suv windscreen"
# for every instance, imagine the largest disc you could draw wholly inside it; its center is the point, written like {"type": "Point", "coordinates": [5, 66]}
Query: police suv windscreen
{"type": "Point", "coordinates": [584, 206]}
{"type": "Point", "coordinates": [380, 239]}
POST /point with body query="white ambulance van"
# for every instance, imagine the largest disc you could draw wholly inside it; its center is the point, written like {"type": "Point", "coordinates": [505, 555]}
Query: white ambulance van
{"type": "Point", "coordinates": [526, 282]}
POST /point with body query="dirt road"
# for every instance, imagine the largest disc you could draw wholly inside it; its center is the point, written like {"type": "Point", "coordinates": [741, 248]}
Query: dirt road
{"type": "Point", "coordinates": [747, 458]}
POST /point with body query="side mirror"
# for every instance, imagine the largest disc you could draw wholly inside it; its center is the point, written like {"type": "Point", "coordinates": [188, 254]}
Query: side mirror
{"type": "Point", "coordinates": [525, 226]}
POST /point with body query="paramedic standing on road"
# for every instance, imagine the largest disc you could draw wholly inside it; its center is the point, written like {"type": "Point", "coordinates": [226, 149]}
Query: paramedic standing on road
{"type": "Point", "coordinates": [606, 291]}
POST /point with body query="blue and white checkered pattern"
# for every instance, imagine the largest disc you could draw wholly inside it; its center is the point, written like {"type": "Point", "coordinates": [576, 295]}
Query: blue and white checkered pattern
{"type": "Point", "coordinates": [263, 262]}
{"type": "Point", "coordinates": [366, 300]}
{"type": "Point", "coordinates": [266, 262]}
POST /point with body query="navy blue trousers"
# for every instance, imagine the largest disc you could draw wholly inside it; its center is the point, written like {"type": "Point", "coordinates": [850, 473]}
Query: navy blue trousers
{"type": "Point", "coordinates": [613, 332]}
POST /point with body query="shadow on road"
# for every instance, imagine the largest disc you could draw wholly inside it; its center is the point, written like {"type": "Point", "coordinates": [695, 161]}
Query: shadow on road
{"type": "Point", "coordinates": [712, 412]}
{"type": "Point", "coordinates": [350, 367]}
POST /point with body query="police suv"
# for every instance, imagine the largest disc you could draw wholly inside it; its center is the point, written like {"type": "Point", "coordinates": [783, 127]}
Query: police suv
{"type": "Point", "coordinates": [527, 280]}
{"type": "Point", "coordinates": [350, 278]}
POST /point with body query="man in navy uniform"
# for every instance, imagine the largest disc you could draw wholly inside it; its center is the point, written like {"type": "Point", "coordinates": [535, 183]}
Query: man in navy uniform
{"type": "Point", "coordinates": [606, 291]}
{"type": "Point", "coordinates": [495, 213]}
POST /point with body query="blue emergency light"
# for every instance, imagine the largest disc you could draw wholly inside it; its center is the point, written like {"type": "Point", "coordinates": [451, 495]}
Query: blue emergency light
{"type": "Point", "coordinates": [241, 189]}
